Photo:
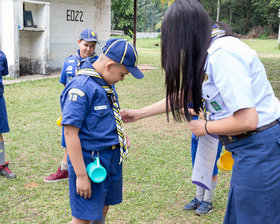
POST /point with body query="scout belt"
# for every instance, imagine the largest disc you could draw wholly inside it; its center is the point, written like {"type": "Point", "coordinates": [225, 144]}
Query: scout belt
{"type": "Point", "coordinates": [226, 139]}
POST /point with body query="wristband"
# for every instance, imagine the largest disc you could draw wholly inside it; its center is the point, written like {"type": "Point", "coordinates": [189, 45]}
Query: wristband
{"type": "Point", "coordinates": [205, 127]}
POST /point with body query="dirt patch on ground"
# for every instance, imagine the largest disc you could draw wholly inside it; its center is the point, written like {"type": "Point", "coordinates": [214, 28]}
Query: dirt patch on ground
{"type": "Point", "coordinates": [145, 67]}
{"type": "Point", "coordinates": [269, 55]}
{"type": "Point", "coordinates": [54, 74]}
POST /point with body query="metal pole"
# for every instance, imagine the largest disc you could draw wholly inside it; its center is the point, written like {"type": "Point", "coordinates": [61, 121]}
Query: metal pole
{"type": "Point", "coordinates": [135, 17]}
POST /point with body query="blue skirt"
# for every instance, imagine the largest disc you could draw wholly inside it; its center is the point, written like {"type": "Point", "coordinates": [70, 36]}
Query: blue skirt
{"type": "Point", "coordinates": [4, 126]}
{"type": "Point", "coordinates": [254, 195]}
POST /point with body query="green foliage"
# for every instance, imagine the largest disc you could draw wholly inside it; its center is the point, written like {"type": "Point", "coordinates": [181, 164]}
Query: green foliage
{"type": "Point", "coordinates": [149, 13]}
{"type": "Point", "coordinates": [122, 15]}
{"type": "Point", "coordinates": [267, 10]}
{"type": "Point", "coordinates": [241, 15]}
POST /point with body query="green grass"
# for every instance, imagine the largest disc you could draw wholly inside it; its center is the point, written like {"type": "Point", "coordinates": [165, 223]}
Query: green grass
{"type": "Point", "coordinates": [157, 175]}
{"type": "Point", "coordinates": [265, 48]}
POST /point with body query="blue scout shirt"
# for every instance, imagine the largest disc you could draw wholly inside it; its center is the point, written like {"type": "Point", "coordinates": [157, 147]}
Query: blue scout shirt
{"type": "Point", "coordinates": [70, 65]}
{"type": "Point", "coordinates": [85, 105]}
{"type": "Point", "coordinates": [3, 70]}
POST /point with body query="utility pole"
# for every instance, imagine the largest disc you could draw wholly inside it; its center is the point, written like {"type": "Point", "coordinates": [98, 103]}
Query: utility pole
{"type": "Point", "coordinates": [135, 18]}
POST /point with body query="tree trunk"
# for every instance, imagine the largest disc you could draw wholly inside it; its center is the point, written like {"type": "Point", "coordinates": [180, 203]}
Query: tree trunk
{"type": "Point", "coordinates": [278, 45]}
{"type": "Point", "coordinates": [218, 11]}
{"type": "Point", "coordinates": [279, 37]}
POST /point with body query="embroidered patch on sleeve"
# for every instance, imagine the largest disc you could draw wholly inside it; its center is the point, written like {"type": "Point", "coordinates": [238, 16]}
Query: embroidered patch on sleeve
{"type": "Point", "coordinates": [215, 105]}
{"type": "Point", "coordinates": [74, 93]}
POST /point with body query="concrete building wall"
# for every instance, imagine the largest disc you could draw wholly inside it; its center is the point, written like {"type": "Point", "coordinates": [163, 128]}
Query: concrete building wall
{"type": "Point", "coordinates": [34, 41]}
{"type": "Point", "coordinates": [57, 25]}
{"type": "Point", "coordinates": [69, 18]}
{"type": "Point", "coordinates": [9, 33]}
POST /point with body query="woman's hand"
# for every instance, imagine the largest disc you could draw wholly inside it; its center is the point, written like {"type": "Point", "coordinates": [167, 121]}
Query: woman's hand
{"type": "Point", "coordinates": [130, 115]}
{"type": "Point", "coordinates": [83, 186]}
{"type": "Point", "coordinates": [198, 127]}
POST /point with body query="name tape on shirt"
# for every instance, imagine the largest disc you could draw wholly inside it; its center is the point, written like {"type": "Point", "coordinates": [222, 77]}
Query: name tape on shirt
{"type": "Point", "coordinates": [103, 107]}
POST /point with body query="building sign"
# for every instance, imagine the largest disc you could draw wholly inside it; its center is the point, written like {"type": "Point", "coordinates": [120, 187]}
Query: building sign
{"type": "Point", "coordinates": [74, 15]}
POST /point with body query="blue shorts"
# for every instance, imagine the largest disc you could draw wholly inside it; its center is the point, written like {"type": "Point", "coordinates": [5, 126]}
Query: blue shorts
{"type": "Point", "coordinates": [194, 148]}
{"type": "Point", "coordinates": [63, 143]}
{"type": "Point", "coordinates": [4, 126]}
{"type": "Point", "coordinates": [109, 192]}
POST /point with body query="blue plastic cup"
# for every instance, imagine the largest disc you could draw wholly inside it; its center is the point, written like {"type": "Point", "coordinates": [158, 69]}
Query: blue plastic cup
{"type": "Point", "coordinates": [96, 172]}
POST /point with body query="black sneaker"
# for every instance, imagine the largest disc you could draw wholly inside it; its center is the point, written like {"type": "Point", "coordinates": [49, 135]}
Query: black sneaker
{"type": "Point", "coordinates": [194, 204]}
{"type": "Point", "coordinates": [5, 171]}
{"type": "Point", "coordinates": [204, 208]}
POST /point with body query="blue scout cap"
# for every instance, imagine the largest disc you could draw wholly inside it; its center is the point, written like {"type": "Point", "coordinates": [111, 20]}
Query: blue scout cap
{"type": "Point", "coordinates": [88, 35]}
{"type": "Point", "coordinates": [123, 52]}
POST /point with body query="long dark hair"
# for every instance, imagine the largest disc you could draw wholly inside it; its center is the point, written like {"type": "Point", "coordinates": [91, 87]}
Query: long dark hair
{"type": "Point", "coordinates": [185, 38]}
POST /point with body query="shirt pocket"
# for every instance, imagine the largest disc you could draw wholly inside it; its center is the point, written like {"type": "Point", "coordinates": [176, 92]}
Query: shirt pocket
{"type": "Point", "coordinates": [213, 99]}
{"type": "Point", "coordinates": [100, 117]}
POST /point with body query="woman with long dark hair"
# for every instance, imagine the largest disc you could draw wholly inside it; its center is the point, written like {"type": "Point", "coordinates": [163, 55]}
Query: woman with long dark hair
{"type": "Point", "coordinates": [221, 73]}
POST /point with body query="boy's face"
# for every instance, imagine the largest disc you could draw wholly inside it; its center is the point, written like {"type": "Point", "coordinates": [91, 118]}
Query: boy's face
{"type": "Point", "coordinates": [86, 48]}
{"type": "Point", "coordinates": [114, 73]}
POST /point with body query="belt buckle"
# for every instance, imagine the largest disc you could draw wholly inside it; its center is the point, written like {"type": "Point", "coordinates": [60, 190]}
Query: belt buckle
{"type": "Point", "coordinates": [230, 139]}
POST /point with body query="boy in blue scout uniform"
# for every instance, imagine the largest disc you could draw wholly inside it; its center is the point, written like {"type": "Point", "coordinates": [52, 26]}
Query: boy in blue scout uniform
{"type": "Point", "coordinates": [90, 115]}
{"type": "Point", "coordinates": [87, 43]}
{"type": "Point", "coordinates": [4, 126]}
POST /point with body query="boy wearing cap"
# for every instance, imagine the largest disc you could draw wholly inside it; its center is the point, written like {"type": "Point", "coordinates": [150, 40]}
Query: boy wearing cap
{"type": "Point", "coordinates": [93, 127]}
{"type": "Point", "coordinates": [87, 43]}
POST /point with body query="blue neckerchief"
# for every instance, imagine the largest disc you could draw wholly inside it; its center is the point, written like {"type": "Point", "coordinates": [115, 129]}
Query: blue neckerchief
{"type": "Point", "coordinates": [80, 60]}
{"type": "Point", "coordinates": [217, 32]}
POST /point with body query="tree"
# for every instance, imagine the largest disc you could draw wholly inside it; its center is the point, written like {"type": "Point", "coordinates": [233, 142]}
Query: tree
{"type": "Point", "coordinates": [149, 14]}
{"type": "Point", "coordinates": [267, 10]}
{"type": "Point", "coordinates": [122, 15]}
{"type": "Point", "coordinates": [241, 15]}
{"type": "Point", "coordinates": [279, 30]}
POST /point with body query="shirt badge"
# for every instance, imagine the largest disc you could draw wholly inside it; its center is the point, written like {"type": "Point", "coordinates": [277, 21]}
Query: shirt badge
{"type": "Point", "coordinates": [69, 68]}
{"type": "Point", "coordinates": [74, 93]}
{"type": "Point", "coordinates": [215, 105]}
{"type": "Point", "coordinates": [205, 77]}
